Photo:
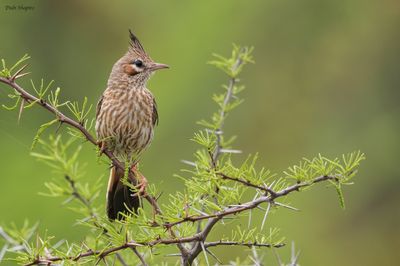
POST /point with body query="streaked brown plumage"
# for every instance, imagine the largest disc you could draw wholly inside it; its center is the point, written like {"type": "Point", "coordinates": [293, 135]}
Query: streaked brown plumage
{"type": "Point", "coordinates": [125, 120]}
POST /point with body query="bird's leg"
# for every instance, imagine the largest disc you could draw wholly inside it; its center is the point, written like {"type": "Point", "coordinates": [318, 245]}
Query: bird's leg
{"type": "Point", "coordinates": [142, 181]}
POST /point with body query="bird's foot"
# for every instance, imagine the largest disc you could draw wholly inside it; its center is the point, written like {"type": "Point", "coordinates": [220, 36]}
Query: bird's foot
{"type": "Point", "coordinates": [141, 186]}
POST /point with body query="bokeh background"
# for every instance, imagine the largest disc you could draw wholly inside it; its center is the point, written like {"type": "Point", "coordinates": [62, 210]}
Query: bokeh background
{"type": "Point", "coordinates": [326, 80]}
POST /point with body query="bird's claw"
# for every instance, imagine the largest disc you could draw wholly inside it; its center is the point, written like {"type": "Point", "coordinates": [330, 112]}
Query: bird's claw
{"type": "Point", "coordinates": [141, 186]}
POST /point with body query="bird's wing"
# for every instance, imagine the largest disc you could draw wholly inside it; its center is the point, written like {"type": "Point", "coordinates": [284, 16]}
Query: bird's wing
{"type": "Point", "coordinates": [155, 113]}
{"type": "Point", "coordinates": [98, 108]}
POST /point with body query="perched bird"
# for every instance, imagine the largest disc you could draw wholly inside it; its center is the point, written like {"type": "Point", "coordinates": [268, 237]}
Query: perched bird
{"type": "Point", "coordinates": [125, 120]}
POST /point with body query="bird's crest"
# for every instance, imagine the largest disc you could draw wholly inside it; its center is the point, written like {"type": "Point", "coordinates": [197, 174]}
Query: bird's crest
{"type": "Point", "coordinates": [135, 45]}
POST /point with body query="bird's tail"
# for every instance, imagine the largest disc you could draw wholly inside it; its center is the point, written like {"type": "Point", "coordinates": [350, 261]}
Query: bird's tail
{"type": "Point", "coordinates": [120, 198]}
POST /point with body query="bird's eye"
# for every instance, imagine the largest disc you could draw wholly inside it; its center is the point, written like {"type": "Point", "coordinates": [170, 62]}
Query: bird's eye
{"type": "Point", "coordinates": [137, 62]}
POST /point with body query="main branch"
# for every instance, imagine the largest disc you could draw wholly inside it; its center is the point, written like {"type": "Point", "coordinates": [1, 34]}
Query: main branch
{"type": "Point", "coordinates": [62, 118]}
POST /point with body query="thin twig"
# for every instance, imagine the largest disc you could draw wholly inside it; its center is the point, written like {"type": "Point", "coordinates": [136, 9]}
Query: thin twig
{"type": "Point", "coordinates": [247, 183]}
{"type": "Point", "coordinates": [79, 196]}
{"type": "Point", "coordinates": [219, 131]}
{"type": "Point", "coordinates": [141, 258]}
{"type": "Point", "coordinates": [246, 244]}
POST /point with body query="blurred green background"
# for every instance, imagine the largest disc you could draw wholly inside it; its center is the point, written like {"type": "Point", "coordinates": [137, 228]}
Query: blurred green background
{"type": "Point", "coordinates": [325, 81]}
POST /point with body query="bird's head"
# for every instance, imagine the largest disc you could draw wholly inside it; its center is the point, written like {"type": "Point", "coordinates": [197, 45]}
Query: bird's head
{"type": "Point", "coordinates": [136, 66]}
{"type": "Point", "coordinates": [137, 60]}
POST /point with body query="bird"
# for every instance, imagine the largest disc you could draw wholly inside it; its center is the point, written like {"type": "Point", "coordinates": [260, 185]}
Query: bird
{"type": "Point", "coordinates": [126, 116]}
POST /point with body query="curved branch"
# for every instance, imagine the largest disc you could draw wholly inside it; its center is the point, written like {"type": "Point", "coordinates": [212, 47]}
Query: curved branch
{"type": "Point", "coordinates": [254, 203]}
{"type": "Point", "coordinates": [75, 124]}
{"type": "Point", "coordinates": [60, 116]}
{"type": "Point", "coordinates": [65, 119]}
{"type": "Point", "coordinates": [214, 218]}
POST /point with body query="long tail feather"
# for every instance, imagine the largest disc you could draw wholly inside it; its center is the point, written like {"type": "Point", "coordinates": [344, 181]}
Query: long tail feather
{"type": "Point", "coordinates": [120, 198]}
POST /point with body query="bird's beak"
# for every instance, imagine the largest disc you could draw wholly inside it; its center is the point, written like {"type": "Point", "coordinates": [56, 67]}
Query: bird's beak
{"type": "Point", "coordinates": [156, 66]}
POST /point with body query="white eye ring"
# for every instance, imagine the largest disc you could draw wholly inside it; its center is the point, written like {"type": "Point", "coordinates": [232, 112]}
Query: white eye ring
{"type": "Point", "coordinates": [138, 63]}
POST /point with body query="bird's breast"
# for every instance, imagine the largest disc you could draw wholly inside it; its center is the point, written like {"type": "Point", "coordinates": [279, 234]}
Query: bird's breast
{"type": "Point", "coordinates": [125, 119]}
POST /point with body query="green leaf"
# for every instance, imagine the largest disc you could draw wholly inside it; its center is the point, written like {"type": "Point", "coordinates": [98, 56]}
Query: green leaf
{"type": "Point", "coordinates": [80, 112]}
{"type": "Point", "coordinates": [15, 104]}
{"type": "Point", "coordinates": [19, 62]}
{"type": "Point", "coordinates": [339, 193]}
{"type": "Point", "coordinates": [40, 131]}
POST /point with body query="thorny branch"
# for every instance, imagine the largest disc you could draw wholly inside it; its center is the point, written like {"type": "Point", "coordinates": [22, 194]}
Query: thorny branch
{"type": "Point", "coordinates": [141, 258]}
{"type": "Point", "coordinates": [214, 218]}
{"type": "Point", "coordinates": [219, 131]}
{"type": "Point", "coordinates": [246, 244]}
{"type": "Point", "coordinates": [75, 193]}
{"type": "Point", "coordinates": [62, 118]}
{"type": "Point", "coordinates": [267, 190]}
{"type": "Point", "coordinates": [254, 203]}
{"type": "Point", "coordinates": [133, 245]}
{"type": "Point", "coordinates": [197, 247]}
{"type": "Point", "coordinates": [200, 237]}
